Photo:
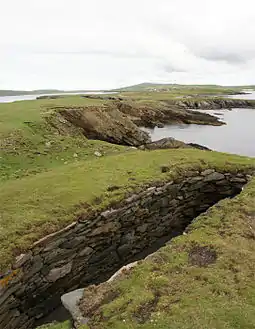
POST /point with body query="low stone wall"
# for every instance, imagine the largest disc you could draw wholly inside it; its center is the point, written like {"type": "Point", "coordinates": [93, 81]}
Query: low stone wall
{"type": "Point", "coordinates": [91, 250]}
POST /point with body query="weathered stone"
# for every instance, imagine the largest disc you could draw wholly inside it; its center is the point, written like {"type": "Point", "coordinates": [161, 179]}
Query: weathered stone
{"type": "Point", "coordinates": [142, 228]}
{"type": "Point", "coordinates": [215, 176]}
{"type": "Point", "coordinates": [207, 172]}
{"type": "Point", "coordinates": [59, 272]}
{"type": "Point", "coordinates": [106, 228]}
{"type": "Point", "coordinates": [22, 259]}
{"type": "Point", "coordinates": [73, 243]}
{"type": "Point", "coordinates": [124, 250]}
{"type": "Point", "coordinates": [85, 252]}
{"type": "Point", "coordinates": [71, 302]}
{"type": "Point", "coordinates": [238, 180]}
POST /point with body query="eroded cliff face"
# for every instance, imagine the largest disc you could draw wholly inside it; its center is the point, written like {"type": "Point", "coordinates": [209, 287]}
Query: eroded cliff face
{"type": "Point", "coordinates": [213, 103]}
{"type": "Point", "coordinates": [92, 248]}
{"type": "Point", "coordinates": [164, 113]}
{"type": "Point", "coordinates": [105, 123]}
{"type": "Point", "coordinates": [118, 122]}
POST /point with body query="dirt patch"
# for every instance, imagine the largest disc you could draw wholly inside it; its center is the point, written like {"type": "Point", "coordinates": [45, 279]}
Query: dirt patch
{"type": "Point", "coordinates": [144, 311]}
{"type": "Point", "coordinates": [202, 256]}
{"type": "Point", "coordinates": [96, 296]}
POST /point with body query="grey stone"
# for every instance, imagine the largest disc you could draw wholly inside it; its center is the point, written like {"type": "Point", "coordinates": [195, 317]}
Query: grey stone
{"type": "Point", "coordinates": [142, 228]}
{"type": "Point", "coordinates": [106, 228]}
{"type": "Point", "coordinates": [22, 259]}
{"type": "Point", "coordinates": [59, 272]}
{"type": "Point", "coordinates": [215, 176]}
{"type": "Point", "coordinates": [207, 172]}
{"type": "Point", "coordinates": [238, 180]}
{"type": "Point", "coordinates": [85, 252]}
{"type": "Point", "coordinates": [124, 250]}
{"type": "Point", "coordinates": [71, 301]}
{"type": "Point", "coordinates": [73, 242]}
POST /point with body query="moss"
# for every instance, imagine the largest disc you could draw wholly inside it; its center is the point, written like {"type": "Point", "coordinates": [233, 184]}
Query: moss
{"type": "Point", "coordinates": [192, 294]}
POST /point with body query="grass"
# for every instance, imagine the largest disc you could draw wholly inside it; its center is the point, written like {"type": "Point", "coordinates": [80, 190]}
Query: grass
{"type": "Point", "coordinates": [183, 287]}
{"type": "Point", "coordinates": [34, 206]}
{"type": "Point", "coordinates": [28, 145]}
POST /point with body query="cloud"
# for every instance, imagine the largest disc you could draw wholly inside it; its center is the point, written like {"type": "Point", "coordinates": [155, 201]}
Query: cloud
{"type": "Point", "coordinates": [104, 44]}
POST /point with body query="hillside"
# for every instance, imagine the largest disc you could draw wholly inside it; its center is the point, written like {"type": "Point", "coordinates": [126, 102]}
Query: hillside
{"type": "Point", "coordinates": [200, 89]}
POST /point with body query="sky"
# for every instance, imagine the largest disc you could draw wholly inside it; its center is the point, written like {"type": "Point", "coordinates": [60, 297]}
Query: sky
{"type": "Point", "coordinates": [104, 44]}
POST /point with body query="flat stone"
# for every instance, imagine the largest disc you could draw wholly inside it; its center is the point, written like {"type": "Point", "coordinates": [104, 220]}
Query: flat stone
{"type": "Point", "coordinates": [108, 227]}
{"type": "Point", "coordinates": [142, 228]}
{"type": "Point", "coordinates": [70, 244]}
{"type": "Point", "coordinates": [60, 272]}
{"type": "Point", "coordinates": [71, 301]}
{"type": "Point", "coordinates": [207, 172]}
{"type": "Point", "coordinates": [85, 252]}
{"type": "Point", "coordinates": [215, 176]}
{"type": "Point", "coordinates": [238, 180]}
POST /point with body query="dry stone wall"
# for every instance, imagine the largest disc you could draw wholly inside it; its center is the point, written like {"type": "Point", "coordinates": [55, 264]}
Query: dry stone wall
{"type": "Point", "coordinates": [90, 251]}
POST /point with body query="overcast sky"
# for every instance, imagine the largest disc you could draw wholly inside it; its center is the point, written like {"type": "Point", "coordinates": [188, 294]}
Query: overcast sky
{"type": "Point", "coordinates": [81, 44]}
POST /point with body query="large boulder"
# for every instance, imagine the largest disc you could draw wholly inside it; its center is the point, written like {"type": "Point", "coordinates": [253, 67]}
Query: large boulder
{"type": "Point", "coordinates": [171, 143]}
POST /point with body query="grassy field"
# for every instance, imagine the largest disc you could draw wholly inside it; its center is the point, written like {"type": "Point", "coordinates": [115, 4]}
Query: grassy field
{"type": "Point", "coordinates": [28, 145]}
{"type": "Point", "coordinates": [204, 279]}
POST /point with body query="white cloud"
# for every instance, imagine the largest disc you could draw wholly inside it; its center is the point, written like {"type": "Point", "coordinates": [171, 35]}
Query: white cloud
{"type": "Point", "coordinates": [104, 44]}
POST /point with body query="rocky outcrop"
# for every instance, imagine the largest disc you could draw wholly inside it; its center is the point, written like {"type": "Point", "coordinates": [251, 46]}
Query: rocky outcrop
{"type": "Point", "coordinates": [171, 143]}
{"type": "Point", "coordinates": [105, 123]}
{"type": "Point", "coordinates": [118, 122]}
{"type": "Point", "coordinates": [164, 113]}
{"type": "Point", "coordinates": [93, 248]}
{"type": "Point", "coordinates": [213, 103]}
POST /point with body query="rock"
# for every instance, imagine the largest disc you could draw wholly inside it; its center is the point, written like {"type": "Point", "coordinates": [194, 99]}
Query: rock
{"type": "Point", "coordinates": [105, 123]}
{"type": "Point", "coordinates": [70, 302]}
{"type": "Point", "coordinates": [60, 272]}
{"type": "Point", "coordinates": [22, 259]}
{"type": "Point", "coordinates": [86, 252]}
{"type": "Point", "coordinates": [171, 143]}
{"type": "Point", "coordinates": [98, 154]}
{"type": "Point", "coordinates": [108, 227]}
{"type": "Point", "coordinates": [160, 125]}
{"type": "Point", "coordinates": [207, 172]}
{"type": "Point", "coordinates": [215, 176]}
{"type": "Point", "coordinates": [75, 155]}
{"type": "Point", "coordinates": [199, 147]}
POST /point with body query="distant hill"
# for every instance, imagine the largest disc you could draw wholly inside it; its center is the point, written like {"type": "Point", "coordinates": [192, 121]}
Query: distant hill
{"type": "Point", "coordinates": [167, 86]}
